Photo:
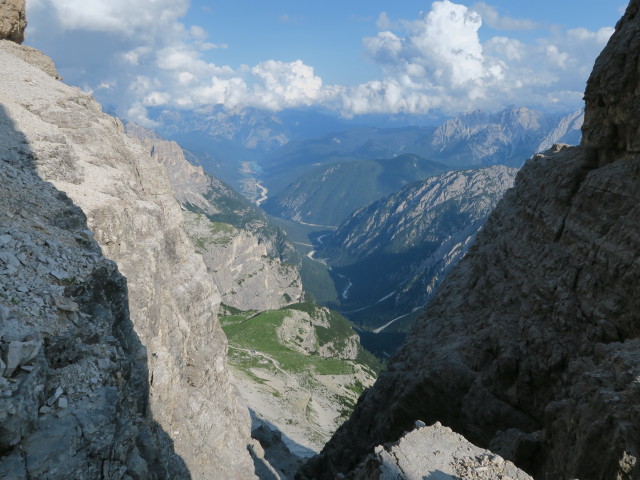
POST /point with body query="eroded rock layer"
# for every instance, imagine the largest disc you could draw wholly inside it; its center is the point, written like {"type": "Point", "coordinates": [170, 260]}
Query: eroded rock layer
{"type": "Point", "coordinates": [136, 221]}
{"type": "Point", "coordinates": [531, 345]}
{"type": "Point", "coordinates": [13, 20]}
{"type": "Point", "coordinates": [239, 247]}
{"type": "Point", "coordinates": [435, 452]}
{"type": "Point", "coordinates": [73, 373]}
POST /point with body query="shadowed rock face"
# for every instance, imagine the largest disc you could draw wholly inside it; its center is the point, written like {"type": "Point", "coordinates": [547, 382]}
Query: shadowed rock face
{"type": "Point", "coordinates": [73, 372]}
{"type": "Point", "coordinates": [531, 345]}
{"type": "Point", "coordinates": [172, 302]}
{"type": "Point", "coordinates": [612, 124]}
{"type": "Point", "coordinates": [13, 20]}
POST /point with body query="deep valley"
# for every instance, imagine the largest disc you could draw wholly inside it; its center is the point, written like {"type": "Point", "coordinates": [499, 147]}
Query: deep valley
{"type": "Point", "coordinates": [213, 290]}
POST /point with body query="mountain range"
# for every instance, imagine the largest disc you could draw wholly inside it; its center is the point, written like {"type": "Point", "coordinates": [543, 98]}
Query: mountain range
{"type": "Point", "coordinates": [278, 148]}
{"type": "Point", "coordinates": [320, 181]}
{"type": "Point", "coordinates": [531, 345]}
{"type": "Point", "coordinates": [114, 361]}
{"type": "Point", "coordinates": [328, 193]}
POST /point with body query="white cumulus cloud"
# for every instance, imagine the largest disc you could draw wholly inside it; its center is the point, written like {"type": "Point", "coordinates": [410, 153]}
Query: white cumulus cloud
{"type": "Point", "coordinates": [125, 17]}
{"type": "Point", "coordinates": [439, 62]}
{"type": "Point", "coordinates": [148, 58]}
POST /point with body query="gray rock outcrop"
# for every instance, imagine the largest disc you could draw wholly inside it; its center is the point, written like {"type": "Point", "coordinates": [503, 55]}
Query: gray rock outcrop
{"type": "Point", "coordinates": [246, 277]}
{"type": "Point", "coordinates": [435, 452]}
{"type": "Point", "coordinates": [172, 302]}
{"type": "Point", "coordinates": [74, 387]}
{"type": "Point", "coordinates": [13, 20]}
{"type": "Point", "coordinates": [242, 262]}
{"type": "Point", "coordinates": [189, 182]}
{"type": "Point", "coordinates": [531, 346]}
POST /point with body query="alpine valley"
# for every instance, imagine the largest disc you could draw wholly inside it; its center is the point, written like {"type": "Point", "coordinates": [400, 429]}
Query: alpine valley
{"type": "Point", "coordinates": [241, 293]}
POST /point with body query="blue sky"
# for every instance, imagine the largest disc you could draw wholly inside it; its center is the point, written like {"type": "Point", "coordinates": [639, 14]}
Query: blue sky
{"type": "Point", "coordinates": [352, 57]}
{"type": "Point", "coordinates": [328, 35]}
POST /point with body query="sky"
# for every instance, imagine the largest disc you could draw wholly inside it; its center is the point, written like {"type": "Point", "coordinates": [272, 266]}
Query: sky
{"type": "Point", "coordinates": [351, 57]}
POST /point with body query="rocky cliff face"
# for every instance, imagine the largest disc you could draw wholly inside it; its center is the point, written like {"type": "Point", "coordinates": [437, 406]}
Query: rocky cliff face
{"type": "Point", "coordinates": [13, 20]}
{"type": "Point", "coordinates": [246, 277]}
{"type": "Point", "coordinates": [612, 101]}
{"type": "Point", "coordinates": [189, 183]}
{"type": "Point", "coordinates": [241, 250]}
{"type": "Point", "coordinates": [531, 346]}
{"type": "Point", "coordinates": [73, 373]}
{"type": "Point", "coordinates": [202, 193]}
{"type": "Point", "coordinates": [131, 210]}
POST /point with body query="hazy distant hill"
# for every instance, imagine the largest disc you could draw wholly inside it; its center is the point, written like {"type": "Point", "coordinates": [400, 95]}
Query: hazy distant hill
{"type": "Point", "coordinates": [328, 193]}
{"type": "Point", "coordinates": [282, 146]}
{"type": "Point", "coordinates": [224, 140]}
{"type": "Point", "coordinates": [286, 164]}
{"type": "Point", "coordinates": [321, 180]}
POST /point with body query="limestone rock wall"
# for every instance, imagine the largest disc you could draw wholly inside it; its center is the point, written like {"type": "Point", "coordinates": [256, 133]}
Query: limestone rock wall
{"type": "Point", "coordinates": [135, 219]}
{"type": "Point", "coordinates": [246, 277]}
{"type": "Point", "coordinates": [241, 262]}
{"type": "Point", "coordinates": [189, 182]}
{"type": "Point", "coordinates": [13, 20]}
{"type": "Point", "coordinates": [611, 121]}
{"type": "Point", "coordinates": [531, 346]}
{"type": "Point", "coordinates": [438, 452]}
{"type": "Point", "coordinates": [74, 387]}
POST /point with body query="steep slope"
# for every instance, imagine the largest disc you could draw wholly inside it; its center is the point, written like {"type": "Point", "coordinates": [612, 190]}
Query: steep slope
{"type": "Point", "coordinates": [242, 250]}
{"type": "Point", "coordinates": [329, 193]}
{"type": "Point", "coordinates": [73, 373]}
{"type": "Point", "coordinates": [202, 193]}
{"type": "Point", "coordinates": [246, 277]}
{"type": "Point", "coordinates": [300, 368]}
{"type": "Point", "coordinates": [531, 345]}
{"type": "Point", "coordinates": [394, 253]}
{"type": "Point", "coordinates": [137, 222]}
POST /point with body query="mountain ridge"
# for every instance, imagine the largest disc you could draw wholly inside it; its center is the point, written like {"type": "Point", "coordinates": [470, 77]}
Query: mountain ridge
{"type": "Point", "coordinates": [133, 216]}
{"type": "Point", "coordinates": [329, 193]}
{"type": "Point", "coordinates": [397, 250]}
{"type": "Point", "coordinates": [531, 345]}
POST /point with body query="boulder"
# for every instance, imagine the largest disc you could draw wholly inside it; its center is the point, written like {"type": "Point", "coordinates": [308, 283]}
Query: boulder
{"type": "Point", "coordinates": [13, 20]}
